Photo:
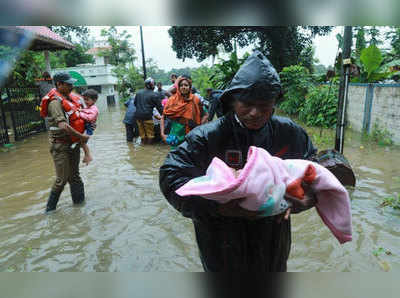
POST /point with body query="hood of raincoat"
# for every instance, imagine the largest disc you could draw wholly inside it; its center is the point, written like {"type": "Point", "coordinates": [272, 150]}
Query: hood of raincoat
{"type": "Point", "coordinates": [256, 79]}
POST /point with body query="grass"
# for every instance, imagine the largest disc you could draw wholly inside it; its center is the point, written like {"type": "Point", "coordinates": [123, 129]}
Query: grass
{"type": "Point", "coordinates": [322, 138]}
{"type": "Point", "coordinates": [393, 202]}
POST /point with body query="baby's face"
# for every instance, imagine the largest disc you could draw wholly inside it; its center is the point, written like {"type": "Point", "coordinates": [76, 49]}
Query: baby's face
{"type": "Point", "coordinates": [88, 101]}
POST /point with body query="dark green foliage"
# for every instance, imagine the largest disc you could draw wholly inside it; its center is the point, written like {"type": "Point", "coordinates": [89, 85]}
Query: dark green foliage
{"type": "Point", "coordinates": [122, 55]}
{"type": "Point", "coordinates": [201, 79]}
{"type": "Point", "coordinates": [226, 70]}
{"type": "Point", "coordinates": [27, 68]}
{"type": "Point", "coordinates": [71, 33]}
{"type": "Point", "coordinates": [320, 106]}
{"type": "Point", "coordinates": [296, 82]}
{"type": "Point", "coordinates": [374, 36]}
{"type": "Point", "coordinates": [77, 56]}
{"type": "Point", "coordinates": [394, 36]}
{"type": "Point", "coordinates": [381, 135]}
{"type": "Point", "coordinates": [320, 69]}
{"type": "Point", "coordinates": [373, 67]}
{"type": "Point", "coordinates": [361, 43]}
{"type": "Point", "coordinates": [306, 58]}
{"type": "Point", "coordinates": [282, 44]}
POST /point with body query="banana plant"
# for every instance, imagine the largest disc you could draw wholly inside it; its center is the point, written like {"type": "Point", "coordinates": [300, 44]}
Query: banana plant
{"type": "Point", "coordinates": [226, 70]}
{"type": "Point", "coordinates": [372, 67]}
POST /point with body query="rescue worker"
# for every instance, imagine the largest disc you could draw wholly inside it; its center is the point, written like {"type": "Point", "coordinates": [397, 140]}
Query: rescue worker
{"type": "Point", "coordinates": [145, 101]}
{"type": "Point", "coordinates": [61, 135]}
{"type": "Point", "coordinates": [231, 238]}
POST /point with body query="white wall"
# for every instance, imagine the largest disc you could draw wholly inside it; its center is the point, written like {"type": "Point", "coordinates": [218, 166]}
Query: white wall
{"type": "Point", "coordinates": [385, 109]}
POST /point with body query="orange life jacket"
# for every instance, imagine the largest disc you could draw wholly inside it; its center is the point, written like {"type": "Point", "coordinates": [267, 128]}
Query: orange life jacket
{"type": "Point", "coordinates": [70, 108]}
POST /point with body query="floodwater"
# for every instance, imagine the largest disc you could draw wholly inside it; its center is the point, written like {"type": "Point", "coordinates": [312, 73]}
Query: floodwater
{"type": "Point", "coordinates": [126, 225]}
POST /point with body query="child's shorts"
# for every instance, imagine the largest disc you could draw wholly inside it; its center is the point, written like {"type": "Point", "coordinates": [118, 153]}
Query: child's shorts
{"type": "Point", "coordinates": [88, 128]}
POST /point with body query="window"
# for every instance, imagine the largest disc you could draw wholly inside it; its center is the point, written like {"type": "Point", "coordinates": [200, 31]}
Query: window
{"type": "Point", "coordinates": [96, 87]}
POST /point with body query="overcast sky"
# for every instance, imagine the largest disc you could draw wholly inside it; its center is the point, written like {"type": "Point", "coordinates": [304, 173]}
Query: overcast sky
{"type": "Point", "coordinates": [158, 46]}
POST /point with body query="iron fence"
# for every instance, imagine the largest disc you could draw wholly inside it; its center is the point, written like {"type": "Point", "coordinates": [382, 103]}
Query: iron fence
{"type": "Point", "coordinates": [23, 105]}
{"type": "Point", "coordinates": [3, 124]}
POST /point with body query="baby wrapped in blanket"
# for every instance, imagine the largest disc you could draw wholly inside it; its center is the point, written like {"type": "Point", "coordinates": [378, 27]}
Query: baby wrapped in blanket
{"type": "Point", "coordinates": [265, 180]}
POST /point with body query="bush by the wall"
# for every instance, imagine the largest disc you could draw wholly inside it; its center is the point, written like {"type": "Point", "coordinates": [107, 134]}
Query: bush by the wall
{"type": "Point", "coordinates": [320, 107]}
{"type": "Point", "coordinates": [296, 82]}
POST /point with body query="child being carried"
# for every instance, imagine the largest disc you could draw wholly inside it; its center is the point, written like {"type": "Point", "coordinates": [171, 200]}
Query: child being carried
{"type": "Point", "coordinates": [89, 114]}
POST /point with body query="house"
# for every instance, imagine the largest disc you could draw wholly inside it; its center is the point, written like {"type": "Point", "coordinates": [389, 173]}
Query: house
{"type": "Point", "coordinates": [98, 76]}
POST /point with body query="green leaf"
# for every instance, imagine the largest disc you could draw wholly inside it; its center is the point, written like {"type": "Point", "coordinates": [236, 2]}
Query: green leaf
{"type": "Point", "coordinates": [371, 58]}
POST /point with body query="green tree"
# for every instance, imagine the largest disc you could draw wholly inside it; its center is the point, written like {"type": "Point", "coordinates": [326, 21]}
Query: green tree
{"type": "Point", "coordinates": [374, 36]}
{"type": "Point", "coordinates": [296, 81]}
{"type": "Point", "coordinates": [152, 70]}
{"type": "Point", "coordinates": [122, 50]}
{"type": "Point", "coordinates": [320, 69]}
{"type": "Point", "coordinates": [307, 59]}
{"type": "Point", "coordinates": [224, 71]}
{"type": "Point", "coordinates": [373, 67]}
{"type": "Point", "coordinates": [361, 43]}
{"type": "Point", "coordinates": [122, 57]}
{"type": "Point", "coordinates": [320, 106]}
{"type": "Point", "coordinates": [394, 36]}
{"type": "Point", "coordinates": [77, 56]}
{"type": "Point", "coordinates": [71, 33]}
{"type": "Point", "coordinates": [201, 79]}
{"type": "Point", "coordinates": [282, 44]}
{"type": "Point", "coordinates": [27, 68]}
{"type": "Point", "coordinates": [79, 36]}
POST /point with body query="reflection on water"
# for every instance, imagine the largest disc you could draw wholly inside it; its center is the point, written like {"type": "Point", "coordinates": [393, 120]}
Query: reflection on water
{"type": "Point", "coordinates": [126, 225]}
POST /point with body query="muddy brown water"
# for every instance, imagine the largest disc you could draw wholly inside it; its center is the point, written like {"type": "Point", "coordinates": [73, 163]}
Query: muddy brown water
{"type": "Point", "coordinates": [126, 224]}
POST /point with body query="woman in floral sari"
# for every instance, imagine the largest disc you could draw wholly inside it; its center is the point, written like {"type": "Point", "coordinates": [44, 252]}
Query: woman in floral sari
{"type": "Point", "coordinates": [185, 112]}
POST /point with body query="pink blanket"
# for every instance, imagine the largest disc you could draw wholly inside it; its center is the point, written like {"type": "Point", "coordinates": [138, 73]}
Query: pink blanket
{"type": "Point", "coordinates": [265, 180]}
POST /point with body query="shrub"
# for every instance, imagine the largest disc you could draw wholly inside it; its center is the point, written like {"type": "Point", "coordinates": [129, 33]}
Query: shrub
{"type": "Point", "coordinates": [381, 135]}
{"type": "Point", "coordinates": [320, 107]}
{"type": "Point", "coordinates": [296, 82]}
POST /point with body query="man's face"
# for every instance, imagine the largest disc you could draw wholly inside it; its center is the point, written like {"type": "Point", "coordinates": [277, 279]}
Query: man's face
{"type": "Point", "coordinates": [254, 114]}
{"type": "Point", "coordinates": [64, 88]}
{"type": "Point", "coordinates": [173, 79]}
{"type": "Point", "coordinates": [159, 86]}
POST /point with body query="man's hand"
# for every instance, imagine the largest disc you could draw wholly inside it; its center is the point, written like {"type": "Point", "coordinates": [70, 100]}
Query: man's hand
{"type": "Point", "coordinates": [232, 209]}
{"type": "Point", "coordinates": [84, 138]}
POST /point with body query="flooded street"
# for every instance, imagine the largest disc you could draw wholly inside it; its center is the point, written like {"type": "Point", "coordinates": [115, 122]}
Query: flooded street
{"type": "Point", "coordinates": [126, 225]}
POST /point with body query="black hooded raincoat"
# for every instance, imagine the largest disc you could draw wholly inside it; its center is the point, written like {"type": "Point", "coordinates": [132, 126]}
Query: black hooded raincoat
{"type": "Point", "coordinates": [226, 243]}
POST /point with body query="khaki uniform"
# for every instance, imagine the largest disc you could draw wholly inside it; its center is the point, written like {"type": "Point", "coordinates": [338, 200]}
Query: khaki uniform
{"type": "Point", "coordinates": [66, 160]}
{"type": "Point", "coordinates": [146, 129]}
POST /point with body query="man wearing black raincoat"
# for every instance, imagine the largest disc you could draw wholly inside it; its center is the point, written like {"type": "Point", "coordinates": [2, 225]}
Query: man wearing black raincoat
{"type": "Point", "coordinates": [230, 238]}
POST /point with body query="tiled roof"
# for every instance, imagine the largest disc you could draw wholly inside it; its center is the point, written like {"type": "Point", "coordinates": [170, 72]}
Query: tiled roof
{"type": "Point", "coordinates": [45, 39]}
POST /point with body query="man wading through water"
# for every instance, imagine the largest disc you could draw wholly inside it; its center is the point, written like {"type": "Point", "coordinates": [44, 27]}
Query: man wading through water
{"type": "Point", "coordinates": [231, 238]}
{"type": "Point", "coordinates": [62, 135]}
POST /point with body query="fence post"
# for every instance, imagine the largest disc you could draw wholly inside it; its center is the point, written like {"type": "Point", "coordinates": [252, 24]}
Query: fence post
{"type": "Point", "coordinates": [369, 95]}
{"type": "Point", "coordinates": [3, 116]}
{"type": "Point", "coordinates": [12, 115]}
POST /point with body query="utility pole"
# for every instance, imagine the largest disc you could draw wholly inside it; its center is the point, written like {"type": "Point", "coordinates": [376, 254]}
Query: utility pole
{"type": "Point", "coordinates": [343, 89]}
{"type": "Point", "coordinates": [143, 60]}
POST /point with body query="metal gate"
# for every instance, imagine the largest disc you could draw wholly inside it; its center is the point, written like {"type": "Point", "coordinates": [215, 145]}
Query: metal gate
{"type": "Point", "coordinates": [23, 104]}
